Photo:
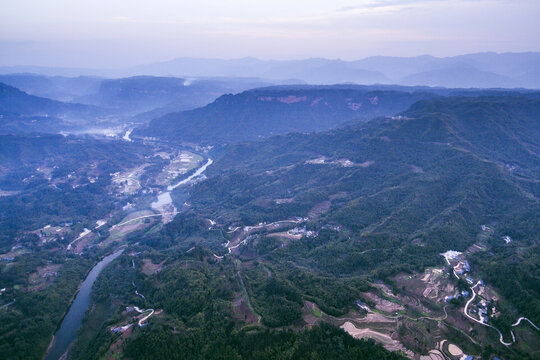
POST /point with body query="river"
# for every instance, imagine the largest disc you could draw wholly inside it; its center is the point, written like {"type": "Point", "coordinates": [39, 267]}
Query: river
{"type": "Point", "coordinates": [191, 177]}
{"type": "Point", "coordinates": [73, 319]}
{"type": "Point", "coordinates": [164, 203]}
{"type": "Point", "coordinates": [67, 333]}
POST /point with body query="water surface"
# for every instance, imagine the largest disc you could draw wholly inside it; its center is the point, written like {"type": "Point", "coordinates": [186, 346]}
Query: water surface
{"type": "Point", "coordinates": [73, 320]}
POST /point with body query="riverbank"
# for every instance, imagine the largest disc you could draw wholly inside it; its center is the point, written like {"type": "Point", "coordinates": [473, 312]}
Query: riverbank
{"type": "Point", "coordinates": [67, 331]}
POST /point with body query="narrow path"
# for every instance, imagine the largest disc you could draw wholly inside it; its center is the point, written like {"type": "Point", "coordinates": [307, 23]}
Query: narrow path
{"type": "Point", "coordinates": [136, 292]}
{"type": "Point", "coordinates": [420, 318]}
{"type": "Point", "coordinates": [6, 305]}
{"type": "Point", "coordinates": [245, 292]}
{"type": "Point", "coordinates": [233, 230]}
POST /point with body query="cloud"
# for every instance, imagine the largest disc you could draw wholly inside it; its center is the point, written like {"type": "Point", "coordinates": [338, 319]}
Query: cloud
{"type": "Point", "coordinates": [388, 4]}
{"type": "Point", "coordinates": [131, 20]}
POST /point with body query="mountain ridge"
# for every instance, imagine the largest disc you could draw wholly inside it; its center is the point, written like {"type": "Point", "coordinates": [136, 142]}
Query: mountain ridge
{"type": "Point", "coordinates": [369, 70]}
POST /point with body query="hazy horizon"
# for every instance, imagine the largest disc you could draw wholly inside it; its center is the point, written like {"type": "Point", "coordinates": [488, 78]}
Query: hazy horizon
{"type": "Point", "coordinates": [101, 34]}
{"type": "Point", "coordinates": [125, 66]}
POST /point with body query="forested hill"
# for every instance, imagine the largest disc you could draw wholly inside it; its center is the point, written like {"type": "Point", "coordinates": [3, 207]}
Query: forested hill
{"type": "Point", "coordinates": [21, 113]}
{"type": "Point", "coordinates": [408, 188]}
{"type": "Point", "coordinates": [263, 112]}
{"type": "Point", "coordinates": [505, 129]}
{"type": "Point", "coordinates": [13, 100]}
{"type": "Point", "coordinates": [502, 129]}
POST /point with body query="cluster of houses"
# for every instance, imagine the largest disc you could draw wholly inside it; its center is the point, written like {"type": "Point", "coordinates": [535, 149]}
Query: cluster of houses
{"type": "Point", "coordinates": [482, 307]}
{"type": "Point", "coordinates": [49, 274]}
{"type": "Point", "coordinates": [362, 305]}
{"type": "Point", "coordinates": [464, 293]}
{"type": "Point", "coordinates": [336, 228]}
{"type": "Point", "coordinates": [303, 231]}
{"type": "Point", "coordinates": [462, 267]}
{"type": "Point", "coordinates": [121, 329]}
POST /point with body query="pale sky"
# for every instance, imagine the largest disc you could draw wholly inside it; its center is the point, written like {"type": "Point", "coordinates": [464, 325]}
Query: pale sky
{"type": "Point", "coordinates": [116, 33]}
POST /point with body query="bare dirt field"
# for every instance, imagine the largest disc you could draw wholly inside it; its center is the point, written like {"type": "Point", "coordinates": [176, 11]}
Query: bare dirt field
{"type": "Point", "coordinates": [454, 350]}
{"type": "Point", "coordinates": [285, 235]}
{"type": "Point", "coordinates": [383, 304]}
{"type": "Point", "coordinates": [43, 277]}
{"type": "Point", "coordinates": [149, 268]}
{"type": "Point", "coordinates": [385, 339]}
{"type": "Point", "coordinates": [319, 209]}
{"type": "Point", "coordinates": [311, 314]}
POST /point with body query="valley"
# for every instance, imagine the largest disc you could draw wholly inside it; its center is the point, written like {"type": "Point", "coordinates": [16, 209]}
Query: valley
{"type": "Point", "coordinates": [279, 216]}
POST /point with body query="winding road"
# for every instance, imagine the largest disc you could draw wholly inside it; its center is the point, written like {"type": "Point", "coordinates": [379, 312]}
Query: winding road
{"type": "Point", "coordinates": [136, 292]}
{"type": "Point", "coordinates": [501, 338]}
{"type": "Point", "coordinates": [524, 318]}
{"type": "Point", "coordinates": [141, 321]}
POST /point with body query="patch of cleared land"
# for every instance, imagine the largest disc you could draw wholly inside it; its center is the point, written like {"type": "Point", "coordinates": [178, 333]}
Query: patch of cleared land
{"type": "Point", "coordinates": [133, 222]}
{"type": "Point", "coordinates": [454, 350]}
{"type": "Point", "coordinates": [242, 311]}
{"type": "Point", "coordinates": [128, 182]}
{"type": "Point", "coordinates": [386, 340]}
{"type": "Point", "coordinates": [383, 304]}
{"type": "Point", "coordinates": [319, 209]}
{"type": "Point", "coordinates": [149, 268]}
{"type": "Point", "coordinates": [50, 233]}
{"type": "Point", "coordinates": [179, 164]}
{"type": "Point", "coordinates": [43, 277]}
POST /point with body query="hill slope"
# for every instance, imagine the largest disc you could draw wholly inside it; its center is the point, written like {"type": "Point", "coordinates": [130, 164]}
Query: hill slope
{"type": "Point", "coordinates": [277, 110]}
{"type": "Point", "coordinates": [405, 189]}
{"type": "Point", "coordinates": [21, 113]}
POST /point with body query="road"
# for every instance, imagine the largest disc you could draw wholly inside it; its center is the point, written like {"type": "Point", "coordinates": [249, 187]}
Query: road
{"type": "Point", "coordinates": [524, 318]}
{"type": "Point", "coordinates": [141, 321]}
{"type": "Point", "coordinates": [81, 235]}
{"type": "Point", "coordinates": [501, 339]}
{"type": "Point", "coordinates": [6, 305]}
{"type": "Point", "coordinates": [420, 318]}
{"type": "Point", "coordinates": [249, 228]}
{"type": "Point", "coordinates": [136, 292]}
{"type": "Point", "coordinates": [142, 217]}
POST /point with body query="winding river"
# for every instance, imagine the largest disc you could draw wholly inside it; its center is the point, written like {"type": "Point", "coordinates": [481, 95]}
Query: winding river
{"type": "Point", "coordinates": [67, 332]}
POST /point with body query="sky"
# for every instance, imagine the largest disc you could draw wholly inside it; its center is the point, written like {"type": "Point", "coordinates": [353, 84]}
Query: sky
{"type": "Point", "coordinates": [118, 33]}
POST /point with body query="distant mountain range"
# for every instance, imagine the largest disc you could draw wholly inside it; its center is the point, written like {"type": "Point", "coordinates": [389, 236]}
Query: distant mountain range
{"type": "Point", "coordinates": [483, 70]}
{"type": "Point", "coordinates": [130, 95]}
{"type": "Point", "coordinates": [264, 112]}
